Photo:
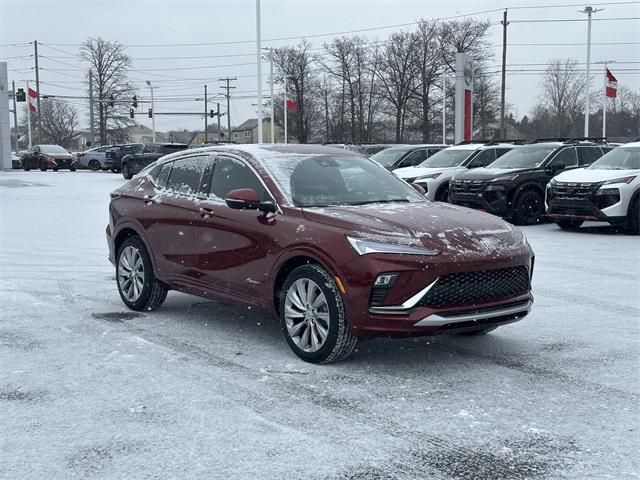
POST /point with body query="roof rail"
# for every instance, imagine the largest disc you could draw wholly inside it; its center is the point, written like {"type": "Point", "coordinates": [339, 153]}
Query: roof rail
{"type": "Point", "coordinates": [515, 141]}
{"type": "Point", "coordinates": [551, 139]}
{"type": "Point", "coordinates": [469, 142]}
{"type": "Point", "coordinates": [587, 139]}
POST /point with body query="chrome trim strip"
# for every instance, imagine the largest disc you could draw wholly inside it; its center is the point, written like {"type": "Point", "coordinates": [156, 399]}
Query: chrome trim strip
{"type": "Point", "coordinates": [438, 321]}
{"type": "Point", "coordinates": [408, 304]}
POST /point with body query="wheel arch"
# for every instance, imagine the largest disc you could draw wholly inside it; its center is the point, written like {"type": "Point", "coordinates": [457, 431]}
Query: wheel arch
{"type": "Point", "coordinates": [127, 230]}
{"type": "Point", "coordinates": [289, 262]}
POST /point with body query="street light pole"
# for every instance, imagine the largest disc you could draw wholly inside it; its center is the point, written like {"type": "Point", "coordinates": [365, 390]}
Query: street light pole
{"type": "Point", "coordinates": [259, 70]}
{"type": "Point", "coordinates": [153, 114]}
{"type": "Point", "coordinates": [589, 11]}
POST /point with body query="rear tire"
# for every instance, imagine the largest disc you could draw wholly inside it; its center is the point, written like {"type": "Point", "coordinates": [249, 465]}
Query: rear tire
{"type": "Point", "coordinates": [528, 208]}
{"type": "Point", "coordinates": [94, 165]}
{"type": "Point", "coordinates": [633, 222]}
{"type": "Point", "coordinates": [313, 317]}
{"type": "Point", "coordinates": [568, 223]}
{"type": "Point", "coordinates": [442, 195]}
{"type": "Point", "coordinates": [137, 284]}
{"type": "Point", "coordinates": [126, 172]}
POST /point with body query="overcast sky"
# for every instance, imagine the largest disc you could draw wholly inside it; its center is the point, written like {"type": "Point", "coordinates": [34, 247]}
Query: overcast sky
{"type": "Point", "coordinates": [137, 24]}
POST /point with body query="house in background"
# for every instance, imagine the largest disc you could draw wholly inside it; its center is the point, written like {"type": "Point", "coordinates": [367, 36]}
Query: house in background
{"type": "Point", "coordinates": [247, 132]}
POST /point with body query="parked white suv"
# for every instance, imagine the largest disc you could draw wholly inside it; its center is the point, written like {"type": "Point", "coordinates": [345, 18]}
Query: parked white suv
{"type": "Point", "coordinates": [606, 191]}
{"type": "Point", "coordinates": [436, 171]}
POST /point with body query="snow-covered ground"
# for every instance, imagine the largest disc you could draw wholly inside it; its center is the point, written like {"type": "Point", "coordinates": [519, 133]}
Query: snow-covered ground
{"type": "Point", "coordinates": [201, 389]}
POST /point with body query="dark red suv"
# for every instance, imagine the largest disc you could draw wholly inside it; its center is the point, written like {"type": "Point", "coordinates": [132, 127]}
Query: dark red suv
{"type": "Point", "coordinates": [330, 241]}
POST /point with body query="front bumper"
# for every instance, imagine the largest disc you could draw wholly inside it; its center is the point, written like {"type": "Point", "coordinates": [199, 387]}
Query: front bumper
{"type": "Point", "coordinates": [401, 316]}
{"type": "Point", "coordinates": [581, 201]}
{"type": "Point", "coordinates": [474, 195]}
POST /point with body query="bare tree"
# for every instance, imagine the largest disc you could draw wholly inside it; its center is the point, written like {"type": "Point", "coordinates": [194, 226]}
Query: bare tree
{"type": "Point", "coordinates": [464, 36]}
{"type": "Point", "coordinates": [109, 64]}
{"type": "Point", "coordinates": [562, 93]}
{"type": "Point", "coordinates": [429, 63]}
{"type": "Point", "coordinates": [396, 72]}
{"type": "Point", "coordinates": [296, 64]}
{"type": "Point", "coordinates": [59, 122]}
{"type": "Point", "coordinates": [486, 101]}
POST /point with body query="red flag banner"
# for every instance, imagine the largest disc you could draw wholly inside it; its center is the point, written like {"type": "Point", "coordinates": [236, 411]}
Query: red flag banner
{"type": "Point", "coordinates": [611, 88]}
{"type": "Point", "coordinates": [33, 95]}
{"type": "Point", "coordinates": [292, 106]}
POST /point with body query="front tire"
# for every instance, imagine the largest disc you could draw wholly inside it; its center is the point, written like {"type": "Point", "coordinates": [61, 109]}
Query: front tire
{"type": "Point", "coordinates": [94, 165]}
{"type": "Point", "coordinates": [137, 284]}
{"type": "Point", "coordinates": [633, 221]}
{"type": "Point", "coordinates": [442, 195]}
{"type": "Point", "coordinates": [313, 317]}
{"type": "Point", "coordinates": [569, 223]}
{"type": "Point", "coordinates": [126, 171]}
{"type": "Point", "coordinates": [528, 208]}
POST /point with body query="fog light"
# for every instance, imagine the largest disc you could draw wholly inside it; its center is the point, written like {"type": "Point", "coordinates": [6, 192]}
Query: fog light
{"type": "Point", "coordinates": [385, 280]}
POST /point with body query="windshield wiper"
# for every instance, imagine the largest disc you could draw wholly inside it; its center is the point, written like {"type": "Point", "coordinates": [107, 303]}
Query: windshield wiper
{"type": "Point", "coordinates": [404, 200]}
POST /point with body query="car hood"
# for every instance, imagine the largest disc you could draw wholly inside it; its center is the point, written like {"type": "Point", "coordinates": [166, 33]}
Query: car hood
{"type": "Point", "coordinates": [448, 229]}
{"type": "Point", "coordinates": [594, 175]}
{"type": "Point", "coordinates": [413, 172]}
{"type": "Point", "coordinates": [488, 173]}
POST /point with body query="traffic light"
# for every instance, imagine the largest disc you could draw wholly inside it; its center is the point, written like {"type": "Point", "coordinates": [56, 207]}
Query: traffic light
{"type": "Point", "coordinates": [21, 96]}
{"type": "Point", "coordinates": [132, 112]}
{"type": "Point", "coordinates": [212, 113]}
{"type": "Point", "coordinates": [134, 101]}
{"type": "Point", "coordinates": [150, 113]}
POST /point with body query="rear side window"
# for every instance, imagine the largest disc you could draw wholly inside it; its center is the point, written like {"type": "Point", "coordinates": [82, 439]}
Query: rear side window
{"type": "Point", "coordinates": [186, 174]}
{"type": "Point", "coordinates": [231, 174]}
{"type": "Point", "coordinates": [431, 151]}
{"type": "Point", "coordinates": [588, 155]}
{"type": "Point", "coordinates": [501, 151]}
{"type": "Point", "coordinates": [414, 158]}
{"type": "Point", "coordinates": [566, 157]}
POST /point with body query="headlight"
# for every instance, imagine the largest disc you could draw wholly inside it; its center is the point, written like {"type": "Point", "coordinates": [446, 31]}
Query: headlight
{"type": "Point", "coordinates": [364, 247]}
{"type": "Point", "coordinates": [496, 188]}
{"type": "Point", "coordinates": [433, 175]}
{"type": "Point", "coordinates": [620, 180]}
{"type": "Point", "coordinates": [553, 182]}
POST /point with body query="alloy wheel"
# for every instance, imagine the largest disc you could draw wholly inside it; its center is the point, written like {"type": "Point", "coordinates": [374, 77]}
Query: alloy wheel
{"type": "Point", "coordinates": [306, 315]}
{"type": "Point", "coordinates": [530, 208]}
{"type": "Point", "coordinates": [131, 273]}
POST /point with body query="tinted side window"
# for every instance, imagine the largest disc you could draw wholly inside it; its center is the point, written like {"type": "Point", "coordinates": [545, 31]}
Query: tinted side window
{"type": "Point", "coordinates": [231, 174]}
{"type": "Point", "coordinates": [414, 158]}
{"type": "Point", "coordinates": [484, 158]}
{"type": "Point", "coordinates": [431, 151]}
{"type": "Point", "coordinates": [501, 151]}
{"type": "Point", "coordinates": [566, 157]}
{"type": "Point", "coordinates": [185, 175]}
{"type": "Point", "coordinates": [588, 155]}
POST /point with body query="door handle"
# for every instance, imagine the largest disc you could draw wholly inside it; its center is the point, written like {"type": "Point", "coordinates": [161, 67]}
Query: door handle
{"type": "Point", "coordinates": [206, 212]}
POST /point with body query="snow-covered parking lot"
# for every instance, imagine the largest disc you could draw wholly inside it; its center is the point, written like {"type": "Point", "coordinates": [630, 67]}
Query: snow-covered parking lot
{"type": "Point", "coordinates": [200, 389]}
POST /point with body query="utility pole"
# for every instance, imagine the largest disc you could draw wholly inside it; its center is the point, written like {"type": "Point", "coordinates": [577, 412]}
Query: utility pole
{"type": "Point", "coordinates": [35, 56]}
{"type": "Point", "coordinates": [228, 87]}
{"type": "Point", "coordinates": [28, 116]}
{"type": "Point", "coordinates": [503, 127]}
{"type": "Point", "coordinates": [589, 11]}
{"type": "Point", "coordinates": [273, 135]}
{"type": "Point", "coordinates": [15, 116]}
{"type": "Point", "coordinates": [153, 114]}
{"type": "Point", "coordinates": [206, 116]}
{"type": "Point", "coordinates": [218, 115]}
{"type": "Point", "coordinates": [92, 135]}
{"type": "Point", "coordinates": [259, 70]}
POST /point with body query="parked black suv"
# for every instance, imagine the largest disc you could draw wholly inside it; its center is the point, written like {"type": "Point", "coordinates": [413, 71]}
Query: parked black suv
{"type": "Point", "coordinates": [513, 186]}
{"type": "Point", "coordinates": [113, 156]}
{"type": "Point", "coordinates": [141, 157]}
{"type": "Point", "coordinates": [401, 156]}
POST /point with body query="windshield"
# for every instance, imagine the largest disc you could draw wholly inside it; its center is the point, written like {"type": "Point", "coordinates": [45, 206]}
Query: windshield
{"type": "Point", "coordinates": [621, 158]}
{"type": "Point", "coordinates": [447, 158]}
{"type": "Point", "coordinates": [389, 156]}
{"type": "Point", "coordinates": [528, 156]}
{"type": "Point", "coordinates": [54, 149]}
{"type": "Point", "coordinates": [327, 180]}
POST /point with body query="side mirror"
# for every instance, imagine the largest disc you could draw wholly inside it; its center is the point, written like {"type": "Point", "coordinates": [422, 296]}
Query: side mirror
{"type": "Point", "coordinates": [554, 169]}
{"type": "Point", "coordinates": [247, 199]}
{"type": "Point", "coordinates": [419, 189]}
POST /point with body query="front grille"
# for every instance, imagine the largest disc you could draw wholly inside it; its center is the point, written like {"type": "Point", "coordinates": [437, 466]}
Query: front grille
{"type": "Point", "coordinates": [468, 288]}
{"type": "Point", "coordinates": [573, 191]}
{"type": "Point", "coordinates": [467, 187]}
